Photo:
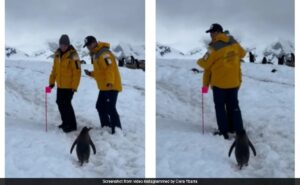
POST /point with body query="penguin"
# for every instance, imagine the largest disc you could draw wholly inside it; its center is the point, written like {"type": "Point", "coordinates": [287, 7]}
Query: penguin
{"type": "Point", "coordinates": [242, 152]}
{"type": "Point", "coordinates": [195, 70]}
{"type": "Point", "coordinates": [83, 142]}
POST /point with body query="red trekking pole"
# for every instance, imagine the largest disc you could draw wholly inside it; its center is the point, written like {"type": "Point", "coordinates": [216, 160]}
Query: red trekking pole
{"type": "Point", "coordinates": [47, 91]}
{"type": "Point", "coordinates": [203, 91]}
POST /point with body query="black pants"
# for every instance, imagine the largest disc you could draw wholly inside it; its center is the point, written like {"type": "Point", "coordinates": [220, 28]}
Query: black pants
{"type": "Point", "coordinates": [63, 100]}
{"type": "Point", "coordinates": [227, 109]}
{"type": "Point", "coordinates": [106, 106]}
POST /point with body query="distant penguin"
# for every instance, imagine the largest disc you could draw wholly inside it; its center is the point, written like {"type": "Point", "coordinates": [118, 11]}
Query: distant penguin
{"type": "Point", "coordinates": [242, 152]}
{"type": "Point", "coordinates": [195, 70]}
{"type": "Point", "coordinates": [273, 70]}
{"type": "Point", "coordinates": [83, 142]}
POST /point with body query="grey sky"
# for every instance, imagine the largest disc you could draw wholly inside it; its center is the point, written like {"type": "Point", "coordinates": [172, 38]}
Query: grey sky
{"type": "Point", "coordinates": [261, 21]}
{"type": "Point", "coordinates": [30, 23]}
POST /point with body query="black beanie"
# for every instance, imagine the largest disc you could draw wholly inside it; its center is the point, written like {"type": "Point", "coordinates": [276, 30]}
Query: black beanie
{"type": "Point", "coordinates": [64, 39]}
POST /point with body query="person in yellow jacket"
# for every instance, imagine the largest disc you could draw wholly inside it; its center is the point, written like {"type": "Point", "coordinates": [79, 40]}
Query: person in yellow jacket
{"type": "Point", "coordinates": [222, 71]}
{"type": "Point", "coordinates": [66, 74]}
{"type": "Point", "coordinates": [107, 76]}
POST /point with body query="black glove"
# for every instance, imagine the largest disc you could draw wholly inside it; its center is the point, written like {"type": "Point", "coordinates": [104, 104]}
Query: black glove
{"type": "Point", "coordinates": [51, 86]}
{"type": "Point", "coordinates": [87, 72]}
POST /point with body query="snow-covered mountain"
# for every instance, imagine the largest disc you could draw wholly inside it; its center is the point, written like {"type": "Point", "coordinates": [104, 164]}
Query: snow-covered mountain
{"type": "Point", "coordinates": [196, 52]}
{"type": "Point", "coordinates": [46, 54]}
{"type": "Point", "coordinates": [165, 51]}
{"type": "Point", "coordinates": [278, 49]}
{"type": "Point", "coordinates": [124, 50]}
{"type": "Point", "coordinates": [11, 52]}
{"type": "Point", "coordinates": [270, 51]}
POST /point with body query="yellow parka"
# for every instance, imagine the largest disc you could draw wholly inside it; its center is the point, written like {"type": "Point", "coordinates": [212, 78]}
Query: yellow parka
{"type": "Point", "coordinates": [222, 63]}
{"type": "Point", "coordinates": [105, 68]}
{"type": "Point", "coordinates": [66, 69]}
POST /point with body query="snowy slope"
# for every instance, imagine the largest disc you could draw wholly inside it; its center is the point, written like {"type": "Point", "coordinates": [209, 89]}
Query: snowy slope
{"type": "Point", "coordinates": [267, 104]}
{"type": "Point", "coordinates": [31, 152]}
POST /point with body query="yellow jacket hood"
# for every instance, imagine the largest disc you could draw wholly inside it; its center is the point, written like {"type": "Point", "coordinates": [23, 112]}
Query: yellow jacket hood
{"type": "Point", "coordinates": [221, 37]}
{"type": "Point", "coordinates": [100, 46]}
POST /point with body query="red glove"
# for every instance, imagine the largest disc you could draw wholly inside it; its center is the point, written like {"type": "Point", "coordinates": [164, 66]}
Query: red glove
{"type": "Point", "coordinates": [204, 90]}
{"type": "Point", "coordinates": [48, 89]}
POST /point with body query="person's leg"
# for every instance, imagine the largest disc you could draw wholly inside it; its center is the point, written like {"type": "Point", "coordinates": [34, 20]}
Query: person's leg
{"type": "Point", "coordinates": [101, 108]}
{"type": "Point", "coordinates": [61, 107]}
{"type": "Point", "coordinates": [219, 100]}
{"type": "Point", "coordinates": [112, 110]}
{"type": "Point", "coordinates": [229, 119]}
{"type": "Point", "coordinates": [72, 125]}
{"type": "Point", "coordinates": [233, 107]}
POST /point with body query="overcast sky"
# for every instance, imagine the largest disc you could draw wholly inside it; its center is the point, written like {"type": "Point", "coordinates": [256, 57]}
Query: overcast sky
{"type": "Point", "coordinates": [184, 22]}
{"type": "Point", "coordinates": [30, 23]}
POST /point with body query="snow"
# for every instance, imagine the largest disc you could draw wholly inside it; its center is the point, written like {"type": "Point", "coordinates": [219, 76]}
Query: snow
{"type": "Point", "coordinates": [31, 152]}
{"type": "Point", "coordinates": [267, 104]}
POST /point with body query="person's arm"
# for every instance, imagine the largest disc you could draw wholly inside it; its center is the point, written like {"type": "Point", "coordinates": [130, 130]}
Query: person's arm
{"type": "Point", "coordinates": [241, 78]}
{"type": "Point", "coordinates": [52, 77]}
{"type": "Point", "coordinates": [76, 71]}
{"type": "Point", "coordinates": [207, 60]}
{"type": "Point", "coordinates": [92, 73]}
{"type": "Point", "coordinates": [109, 63]}
{"type": "Point", "coordinates": [206, 78]}
{"type": "Point", "coordinates": [242, 52]}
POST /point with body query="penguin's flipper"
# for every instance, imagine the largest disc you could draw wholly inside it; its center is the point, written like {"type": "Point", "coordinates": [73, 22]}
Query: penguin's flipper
{"type": "Point", "coordinates": [231, 148]}
{"type": "Point", "coordinates": [75, 142]}
{"type": "Point", "coordinates": [252, 147]}
{"type": "Point", "coordinates": [93, 146]}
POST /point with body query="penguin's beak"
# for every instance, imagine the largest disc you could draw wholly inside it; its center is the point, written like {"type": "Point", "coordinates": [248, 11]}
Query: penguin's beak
{"type": "Point", "coordinates": [90, 128]}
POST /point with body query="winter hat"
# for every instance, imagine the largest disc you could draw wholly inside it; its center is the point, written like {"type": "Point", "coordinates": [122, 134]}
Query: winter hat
{"type": "Point", "coordinates": [64, 39]}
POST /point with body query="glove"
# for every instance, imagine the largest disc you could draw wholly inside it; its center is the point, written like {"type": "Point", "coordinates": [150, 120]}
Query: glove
{"type": "Point", "coordinates": [87, 72]}
{"type": "Point", "coordinates": [74, 90]}
{"type": "Point", "coordinates": [51, 86]}
{"type": "Point", "coordinates": [204, 90]}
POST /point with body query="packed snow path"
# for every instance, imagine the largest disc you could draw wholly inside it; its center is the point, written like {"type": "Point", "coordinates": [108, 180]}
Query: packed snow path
{"type": "Point", "coordinates": [267, 104]}
{"type": "Point", "coordinates": [31, 152]}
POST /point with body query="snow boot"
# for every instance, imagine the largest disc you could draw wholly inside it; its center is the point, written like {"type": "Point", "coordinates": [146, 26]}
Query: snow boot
{"type": "Point", "coordinates": [61, 126]}
{"type": "Point", "coordinates": [226, 137]}
{"type": "Point", "coordinates": [113, 130]}
{"type": "Point", "coordinates": [217, 132]}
